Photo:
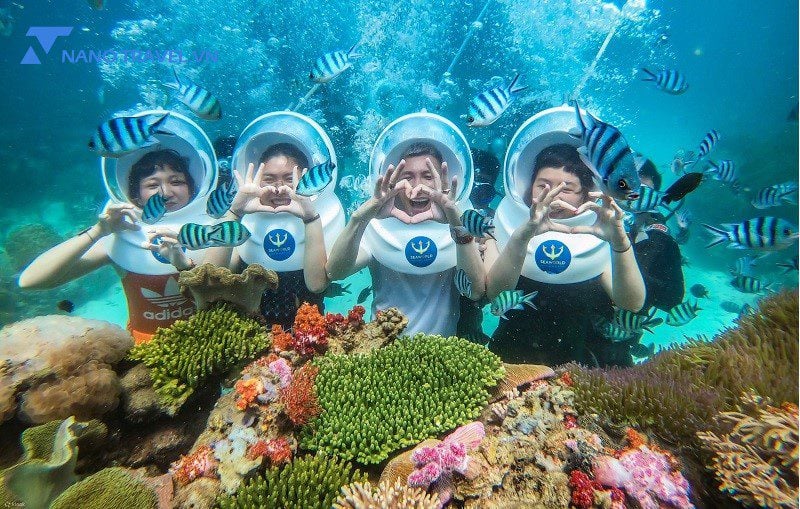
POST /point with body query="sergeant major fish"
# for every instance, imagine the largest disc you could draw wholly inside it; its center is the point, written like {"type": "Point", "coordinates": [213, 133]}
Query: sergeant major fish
{"type": "Point", "coordinates": [477, 224]}
{"type": "Point", "coordinates": [633, 322]}
{"type": "Point", "coordinates": [487, 106]}
{"type": "Point", "coordinates": [511, 299]}
{"type": "Point", "coordinates": [220, 199]}
{"type": "Point", "coordinates": [331, 65]}
{"type": "Point", "coordinates": [707, 144]}
{"type": "Point", "coordinates": [668, 80]}
{"type": "Point", "coordinates": [682, 314]}
{"type": "Point", "coordinates": [724, 171]}
{"type": "Point", "coordinates": [227, 234]}
{"type": "Point", "coordinates": [773, 196]}
{"type": "Point", "coordinates": [122, 135]}
{"type": "Point", "coordinates": [193, 236]}
{"type": "Point", "coordinates": [316, 179]}
{"type": "Point", "coordinates": [154, 209]}
{"type": "Point", "coordinates": [749, 284]}
{"type": "Point", "coordinates": [463, 284]}
{"type": "Point", "coordinates": [608, 155]}
{"type": "Point", "coordinates": [203, 103]}
{"type": "Point", "coordinates": [765, 233]}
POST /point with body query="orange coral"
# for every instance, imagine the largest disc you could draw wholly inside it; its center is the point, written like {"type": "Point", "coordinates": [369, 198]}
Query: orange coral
{"type": "Point", "coordinates": [310, 333]}
{"type": "Point", "coordinates": [277, 451]}
{"type": "Point", "coordinates": [300, 398]}
{"type": "Point", "coordinates": [281, 339]}
{"type": "Point", "coordinates": [200, 463]}
{"type": "Point", "coordinates": [308, 319]}
{"type": "Point", "coordinates": [248, 390]}
{"type": "Point", "coordinates": [635, 439]}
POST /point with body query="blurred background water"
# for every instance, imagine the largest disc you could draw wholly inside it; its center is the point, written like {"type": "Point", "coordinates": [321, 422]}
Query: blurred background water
{"type": "Point", "coordinates": [740, 58]}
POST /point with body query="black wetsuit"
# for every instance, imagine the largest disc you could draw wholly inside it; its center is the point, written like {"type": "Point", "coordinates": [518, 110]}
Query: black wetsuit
{"type": "Point", "coordinates": [659, 259]}
{"type": "Point", "coordinates": [280, 306]}
{"type": "Point", "coordinates": [561, 329]}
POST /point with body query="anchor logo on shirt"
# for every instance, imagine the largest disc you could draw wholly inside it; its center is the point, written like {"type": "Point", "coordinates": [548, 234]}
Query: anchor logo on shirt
{"type": "Point", "coordinates": [419, 249]}
{"type": "Point", "coordinates": [553, 254]}
{"type": "Point", "coordinates": [277, 241]}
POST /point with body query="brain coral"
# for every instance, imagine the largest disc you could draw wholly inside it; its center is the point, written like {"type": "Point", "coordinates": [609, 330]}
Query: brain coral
{"type": "Point", "coordinates": [399, 395]}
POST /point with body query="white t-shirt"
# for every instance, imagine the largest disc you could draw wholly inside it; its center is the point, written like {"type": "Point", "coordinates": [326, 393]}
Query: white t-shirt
{"type": "Point", "coordinates": [429, 301]}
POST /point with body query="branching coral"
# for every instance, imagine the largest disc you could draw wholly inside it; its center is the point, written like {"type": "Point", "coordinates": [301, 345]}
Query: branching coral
{"type": "Point", "coordinates": [399, 395]}
{"type": "Point", "coordinates": [681, 390]}
{"type": "Point", "coordinates": [755, 459]}
{"type": "Point", "coordinates": [386, 496]}
{"type": "Point", "coordinates": [108, 488]}
{"type": "Point", "coordinates": [182, 356]}
{"type": "Point", "coordinates": [305, 483]}
{"type": "Point", "coordinates": [209, 283]}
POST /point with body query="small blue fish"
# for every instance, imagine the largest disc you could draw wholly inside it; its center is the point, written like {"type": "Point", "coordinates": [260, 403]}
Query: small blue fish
{"type": "Point", "coordinates": [724, 171]}
{"type": "Point", "coordinates": [154, 209]}
{"type": "Point", "coordinates": [220, 199]}
{"type": "Point", "coordinates": [682, 314]}
{"type": "Point", "coordinates": [765, 233]}
{"type": "Point", "coordinates": [668, 80]}
{"type": "Point", "coordinates": [749, 284]}
{"type": "Point", "coordinates": [122, 135]}
{"type": "Point", "coordinates": [608, 155]}
{"type": "Point", "coordinates": [744, 265]}
{"type": "Point", "coordinates": [511, 299]}
{"type": "Point", "coordinates": [363, 294]}
{"type": "Point", "coordinates": [774, 196]}
{"type": "Point", "coordinates": [463, 284]}
{"type": "Point", "coordinates": [648, 200]}
{"type": "Point", "coordinates": [194, 236]}
{"type": "Point", "coordinates": [331, 65]}
{"type": "Point", "coordinates": [227, 234]}
{"type": "Point", "coordinates": [477, 224]}
{"type": "Point", "coordinates": [203, 103]}
{"type": "Point", "coordinates": [707, 144]}
{"type": "Point", "coordinates": [487, 106]}
{"type": "Point", "coordinates": [316, 179]}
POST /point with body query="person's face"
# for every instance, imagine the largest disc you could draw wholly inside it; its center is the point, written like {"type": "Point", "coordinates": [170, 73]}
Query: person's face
{"type": "Point", "coordinates": [416, 172]}
{"type": "Point", "coordinates": [278, 171]}
{"type": "Point", "coordinates": [572, 193]}
{"type": "Point", "coordinates": [172, 185]}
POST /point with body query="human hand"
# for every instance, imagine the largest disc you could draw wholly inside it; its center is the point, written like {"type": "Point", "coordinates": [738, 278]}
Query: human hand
{"type": "Point", "coordinates": [539, 220]}
{"type": "Point", "coordinates": [381, 204]}
{"type": "Point", "coordinates": [299, 206]}
{"type": "Point", "coordinates": [443, 206]}
{"type": "Point", "coordinates": [164, 241]}
{"type": "Point", "coordinates": [118, 217]}
{"type": "Point", "coordinates": [248, 197]}
{"type": "Point", "coordinates": [609, 224]}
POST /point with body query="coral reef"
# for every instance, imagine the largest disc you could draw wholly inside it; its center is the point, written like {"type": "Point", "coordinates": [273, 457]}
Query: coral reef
{"type": "Point", "coordinates": [680, 390]}
{"type": "Point", "coordinates": [181, 356]}
{"type": "Point", "coordinates": [305, 483]}
{"type": "Point", "coordinates": [207, 284]}
{"type": "Point", "coordinates": [398, 395]}
{"type": "Point", "coordinates": [26, 242]}
{"type": "Point", "coordinates": [358, 338]}
{"type": "Point", "coordinates": [299, 398]}
{"type": "Point", "coordinates": [755, 458]}
{"type": "Point", "coordinates": [386, 496]}
{"type": "Point", "coordinates": [59, 366]}
{"type": "Point", "coordinates": [310, 332]}
{"type": "Point", "coordinates": [139, 399]}
{"type": "Point", "coordinates": [109, 488]}
{"type": "Point", "coordinates": [200, 463]}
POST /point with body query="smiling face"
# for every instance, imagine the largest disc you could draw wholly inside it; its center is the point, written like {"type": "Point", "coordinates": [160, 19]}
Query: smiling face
{"type": "Point", "coordinates": [573, 193]}
{"type": "Point", "coordinates": [278, 171]}
{"type": "Point", "coordinates": [416, 172]}
{"type": "Point", "coordinates": [172, 185]}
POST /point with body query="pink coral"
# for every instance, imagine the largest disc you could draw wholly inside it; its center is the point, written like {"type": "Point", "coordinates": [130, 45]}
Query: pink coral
{"type": "Point", "coordinates": [425, 476]}
{"type": "Point", "coordinates": [653, 481]}
{"type": "Point", "coordinates": [582, 490]}
{"type": "Point", "coordinates": [282, 369]}
{"type": "Point", "coordinates": [200, 463]}
{"type": "Point", "coordinates": [424, 455]}
{"type": "Point", "coordinates": [609, 471]}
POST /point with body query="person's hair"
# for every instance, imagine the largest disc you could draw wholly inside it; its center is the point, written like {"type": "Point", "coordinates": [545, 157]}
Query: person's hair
{"type": "Point", "coordinates": [151, 162]}
{"type": "Point", "coordinates": [286, 150]}
{"type": "Point", "coordinates": [648, 169]}
{"type": "Point", "coordinates": [422, 148]}
{"type": "Point", "coordinates": [564, 156]}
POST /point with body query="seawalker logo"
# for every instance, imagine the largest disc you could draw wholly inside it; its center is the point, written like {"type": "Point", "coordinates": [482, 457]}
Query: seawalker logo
{"type": "Point", "coordinates": [553, 256]}
{"type": "Point", "coordinates": [47, 37]}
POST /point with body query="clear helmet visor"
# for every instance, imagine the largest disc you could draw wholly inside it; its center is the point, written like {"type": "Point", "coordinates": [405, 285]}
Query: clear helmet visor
{"type": "Point", "coordinates": [284, 127]}
{"type": "Point", "coordinates": [186, 138]}
{"type": "Point", "coordinates": [426, 128]}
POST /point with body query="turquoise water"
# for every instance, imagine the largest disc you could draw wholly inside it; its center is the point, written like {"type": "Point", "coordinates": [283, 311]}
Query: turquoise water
{"type": "Point", "coordinates": [739, 57]}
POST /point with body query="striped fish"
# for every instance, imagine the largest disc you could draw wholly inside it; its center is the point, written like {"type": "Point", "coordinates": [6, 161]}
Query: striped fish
{"type": "Point", "coordinates": [194, 236]}
{"type": "Point", "coordinates": [707, 144]}
{"type": "Point", "coordinates": [744, 265]}
{"type": "Point", "coordinates": [612, 331]}
{"type": "Point", "coordinates": [477, 224]}
{"type": "Point", "coordinates": [786, 187]}
{"type": "Point", "coordinates": [749, 284]}
{"type": "Point", "coordinates": [648, 200]}
{"type": "Point", "coordinates": [765, 233]}
{"type": "Point", "coordinates": [773, 196]}
{"type": "Point", "coordinates": [463, 283]}
{"type": "Point", "coordinates": [682, 314]}
{"type": "Point", "coordinates": [788, 265]}
{"type": "Point", "coordinates": [724, 171]}
{"type": "Point", "coordinates": [203, 103]}
{"type": "Point", "coordinates": [154, 209]}
{"type": "Point", "coordinates": [227, 234]}
{"type": "Point", "coordinates": [331, 65]}
{"type": "Point", "coordinates": [511, 299]}
{"type": "Point", "coordinates": [608, 155]}
{"type": "Point", "coordinates": [316, 179]}
{"type": "Point", "coordinates": [122, 135]}
{"type": "Point", "coordinates": [641, 351]}
{"type": "Point", "coordinates": [633, 322]}
{"type": "Point", "coordinates": [668, 80]}
{"type": "Point", "coordinates": [220, 199]}
{"type": "Point", "coordinates": [487, 106]}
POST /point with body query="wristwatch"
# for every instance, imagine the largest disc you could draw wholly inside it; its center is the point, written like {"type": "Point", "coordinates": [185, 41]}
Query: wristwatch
{"type": "Point", "coordinates": [460, 235]}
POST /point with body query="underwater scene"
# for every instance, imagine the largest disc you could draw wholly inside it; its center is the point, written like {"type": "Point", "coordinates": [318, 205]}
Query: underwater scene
{"type": "Point", "coordinates": [359, 254]}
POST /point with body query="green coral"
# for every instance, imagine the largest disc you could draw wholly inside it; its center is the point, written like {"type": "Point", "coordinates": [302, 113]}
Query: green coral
{"type": "Point", "coordinates": [681, 390]}
{"type": "Point", "coordinates": [399, 395]}
{"type": "Point", "coordinates": [110, 488]}
{"type": "Point", "coordinates": [305, 483]}
{"type": "Point", "coordinates": [181, 356]}
{"type": "Point", "coordinates": [38, 440]}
